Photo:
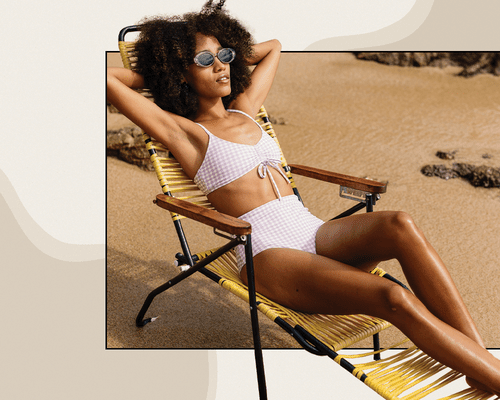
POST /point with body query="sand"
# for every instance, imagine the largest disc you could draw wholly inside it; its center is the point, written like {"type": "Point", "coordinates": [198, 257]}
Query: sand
{"type": "Point", "coordinates": [345, 115]}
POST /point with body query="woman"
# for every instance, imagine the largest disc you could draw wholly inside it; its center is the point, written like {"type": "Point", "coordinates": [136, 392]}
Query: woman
{"type": "Point", "coordinates": [204, 94]}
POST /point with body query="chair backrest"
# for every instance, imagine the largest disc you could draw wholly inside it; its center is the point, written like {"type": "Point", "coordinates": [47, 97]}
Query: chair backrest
{"type": "Point", "coordinates": [172, 178]}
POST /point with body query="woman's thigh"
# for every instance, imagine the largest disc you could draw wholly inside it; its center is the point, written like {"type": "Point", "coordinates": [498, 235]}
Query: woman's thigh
{"type": "Point", "coordinates": [364, 240]}
{"type": "Point", "coordinates": [313, 283]}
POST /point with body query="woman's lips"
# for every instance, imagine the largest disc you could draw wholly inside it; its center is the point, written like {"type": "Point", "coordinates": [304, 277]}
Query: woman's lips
{"type": "Point", "coordinates": [223, 78]}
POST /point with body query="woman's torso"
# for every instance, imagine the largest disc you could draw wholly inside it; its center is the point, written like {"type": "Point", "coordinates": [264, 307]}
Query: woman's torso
{"type": "Point", "coordinates": [233, 149]}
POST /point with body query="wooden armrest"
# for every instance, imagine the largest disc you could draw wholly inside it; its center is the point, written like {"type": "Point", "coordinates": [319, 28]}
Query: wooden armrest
{"type": "Point", "coordinates": [365, 185]}
{"type": "Point", "coordinates": [204, 215]}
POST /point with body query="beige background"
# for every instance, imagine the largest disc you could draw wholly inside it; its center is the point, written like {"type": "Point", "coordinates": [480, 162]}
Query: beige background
{"type": "Point", "coordinates": [53, 293]}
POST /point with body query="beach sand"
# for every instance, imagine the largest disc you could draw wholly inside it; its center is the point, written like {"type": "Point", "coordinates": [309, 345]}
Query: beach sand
{"type": "Point", "coordinates": [349, 116]}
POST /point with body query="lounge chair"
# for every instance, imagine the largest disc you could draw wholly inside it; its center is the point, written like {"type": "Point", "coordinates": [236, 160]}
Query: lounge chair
{"type": "Point", "coordinates": [408, 373]}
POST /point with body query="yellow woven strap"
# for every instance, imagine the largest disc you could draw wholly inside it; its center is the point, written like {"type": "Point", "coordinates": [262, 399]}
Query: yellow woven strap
{"type": "Point", "coordinates": [172, 177]}
{"type": "Point", "coordinates": [336, 331]}
{"type": "Point", "coordinates": [126, 49]}
{"type": "Point", "coordinates": [378, 271]}
{"type": "Point", "coordinates": [469, 394]}
{"type": "Point", "coordinates": [409, 375]}
{"type": "Point", "coordinates": [267, 126]}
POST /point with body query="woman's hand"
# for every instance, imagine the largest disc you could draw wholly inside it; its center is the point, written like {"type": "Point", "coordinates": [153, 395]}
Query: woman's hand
{"type": "Point", "coordinates": [262, 50]}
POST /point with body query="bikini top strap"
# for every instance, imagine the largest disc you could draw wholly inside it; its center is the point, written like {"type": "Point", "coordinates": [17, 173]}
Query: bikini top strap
{"type": "Point", "coordinates": [231, 110]}
{"type": "Point", "coordinates": [205, 129]}
{"type": "Point", "coordinates": [244, 113]}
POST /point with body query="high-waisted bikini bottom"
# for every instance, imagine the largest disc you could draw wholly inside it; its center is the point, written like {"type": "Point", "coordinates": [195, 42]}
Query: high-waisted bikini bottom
{"type": "Point", "coordinates": [281, 223]}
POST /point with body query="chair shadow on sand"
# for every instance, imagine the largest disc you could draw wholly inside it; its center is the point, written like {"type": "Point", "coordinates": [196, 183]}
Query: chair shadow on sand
{"type": "Point", "coordinates": [194, 314]}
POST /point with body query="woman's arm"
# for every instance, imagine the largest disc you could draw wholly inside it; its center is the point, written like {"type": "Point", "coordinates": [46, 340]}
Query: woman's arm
{"type": "Point", "coordinates": [266, 60]}
{"type": "Point", "coordinates": [120, 84]}
{"type": "Point", "coordinates": [174, 131]}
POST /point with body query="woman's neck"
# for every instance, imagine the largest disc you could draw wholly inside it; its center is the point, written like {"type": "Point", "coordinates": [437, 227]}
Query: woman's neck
{"type": "Point", "coordinates": [210, 109]}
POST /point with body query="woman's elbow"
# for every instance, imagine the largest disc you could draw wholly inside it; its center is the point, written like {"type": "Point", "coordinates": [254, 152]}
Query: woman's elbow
{"type": "Point", "coordinates": [111, 72]}
{"type": "Point", "coordinates": [125, 76]}
{"type": "Point", "coordinates": [276, 44]}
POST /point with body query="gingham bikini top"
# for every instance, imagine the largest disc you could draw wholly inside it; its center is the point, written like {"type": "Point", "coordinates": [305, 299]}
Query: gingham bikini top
{"type": "Point", "coordinates": [227, 161]}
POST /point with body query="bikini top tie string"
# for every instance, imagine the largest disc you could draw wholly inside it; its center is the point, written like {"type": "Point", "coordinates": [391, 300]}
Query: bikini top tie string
{"type": "Point", "coordinates": [263, 170]}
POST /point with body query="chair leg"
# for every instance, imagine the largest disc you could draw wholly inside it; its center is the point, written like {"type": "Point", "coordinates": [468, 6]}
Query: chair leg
{"type": "Point", "coordinates": [259, 361]}
{"type": "Point", "coordinates": [140, 321]}
{"type": "Point", "coordinates": [370, 202]}
{"type": "Point", "coordinates": [376, 346]}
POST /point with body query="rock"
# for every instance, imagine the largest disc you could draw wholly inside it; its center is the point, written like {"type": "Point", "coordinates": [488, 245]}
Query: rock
{"type": "Point", "coordinates": [406, 59]}
{"type": "Point", "coordinates": [446, 155]}
{"type": "Point", "coordinates": [127, 144]}
{"type": "Point", "coordinates": [441, 171]}
{"type": "Point", "coordinates": [277, 120]}
{"type": "Point", "coordinates": [123, 137]}
{"type": "Point", "coordinates": [472, 63]}
{"type": "Point", "coordinates": [463, 170]}
{"type": "Point", "coordinates": [422, 59]}
{"type": "Point", "coordinates": [483, 175]}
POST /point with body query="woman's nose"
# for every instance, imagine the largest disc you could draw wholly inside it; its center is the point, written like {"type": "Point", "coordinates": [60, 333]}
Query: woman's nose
{"type": "Point", "coordinates": [219, 65]}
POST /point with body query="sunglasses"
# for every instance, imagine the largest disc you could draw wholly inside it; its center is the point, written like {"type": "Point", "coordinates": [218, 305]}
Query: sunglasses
{"type": "Point", "coordinates": [206, 58]}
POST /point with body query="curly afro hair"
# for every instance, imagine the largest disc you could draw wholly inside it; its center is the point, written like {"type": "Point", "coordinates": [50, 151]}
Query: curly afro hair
{"type": "Point", "coordinates": [166, 47]}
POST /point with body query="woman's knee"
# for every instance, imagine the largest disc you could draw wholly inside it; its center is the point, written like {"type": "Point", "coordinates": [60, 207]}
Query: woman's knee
{"type": "Point", "coordinates": [402, 228]}
{"type": "Point", "coordinates": [401, 220]}
{"type": "Point", "coordinates": [400, 303]}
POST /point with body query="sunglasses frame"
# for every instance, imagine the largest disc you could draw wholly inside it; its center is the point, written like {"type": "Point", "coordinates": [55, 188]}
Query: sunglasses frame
{"type": "Point", "coordinates": [213, 57]}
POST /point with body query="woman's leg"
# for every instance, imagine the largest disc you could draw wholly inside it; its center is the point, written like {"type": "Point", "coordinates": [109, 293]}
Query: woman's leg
{"type": "Point", "coordinates": [366, 239]}
{"type": "Point", "coordinates": [317, 284]}
{"type": "Point", "coordinates": [423, 268]}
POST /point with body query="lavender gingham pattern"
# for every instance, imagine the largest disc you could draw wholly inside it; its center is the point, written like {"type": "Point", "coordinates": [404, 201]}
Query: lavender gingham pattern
{"type": "Point", "coordinates": [227, 161]}
{"type": "Point", "coordinates": [280, 223]}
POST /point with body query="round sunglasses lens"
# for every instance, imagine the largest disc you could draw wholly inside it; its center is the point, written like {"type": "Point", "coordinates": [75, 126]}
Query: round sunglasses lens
{"type": "Point", "coordinates": [205, 59]}
{"type": "Point", "coordinates": [226, 55]}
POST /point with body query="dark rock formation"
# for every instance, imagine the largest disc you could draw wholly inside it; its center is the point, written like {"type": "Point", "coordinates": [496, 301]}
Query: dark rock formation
{"type": "Point", "coordinates": [277, 121]}
{"type": "Point", "coordinates": [127, 144]}
{"type": "Point", "coordinates": [440, 170]}
{"type": "Point", "coordinates": [406, 59]}
{"type": "Point", "coordinates": [472, 63]}
{"type": "Point", "coordinates": [446, 155]}
{"type": "Point", "coordinates": [482, 175]}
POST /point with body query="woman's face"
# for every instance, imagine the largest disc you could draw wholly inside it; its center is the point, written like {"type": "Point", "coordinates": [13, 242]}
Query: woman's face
{"type": "Point", "coordinates": [213, 81]}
